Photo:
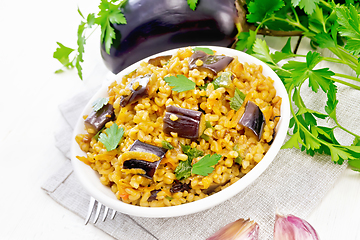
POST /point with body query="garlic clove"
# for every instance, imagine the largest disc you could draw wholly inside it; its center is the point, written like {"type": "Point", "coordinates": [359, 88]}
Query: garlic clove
{"type": "Point", "coordinates": [241, 229]}
{"type": "Point", "coordinates": [290, 227]}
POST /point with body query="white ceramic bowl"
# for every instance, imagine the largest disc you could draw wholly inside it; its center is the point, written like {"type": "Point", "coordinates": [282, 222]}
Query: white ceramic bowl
{"type": "Point", "coordinates": [90, 179]}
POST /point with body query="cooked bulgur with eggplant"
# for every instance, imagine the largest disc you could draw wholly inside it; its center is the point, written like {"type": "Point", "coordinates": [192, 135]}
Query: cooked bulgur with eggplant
{"type": "Point", "coordinates": [180, 128]}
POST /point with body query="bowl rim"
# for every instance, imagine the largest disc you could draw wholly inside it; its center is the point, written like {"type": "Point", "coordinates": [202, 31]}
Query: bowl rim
{"type": "Point", "coordinates": [103, 193]}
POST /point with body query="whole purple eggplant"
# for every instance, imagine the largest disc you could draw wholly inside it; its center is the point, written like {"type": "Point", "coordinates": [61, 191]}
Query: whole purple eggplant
{"type": "Point", "coordinates": [157, 25]}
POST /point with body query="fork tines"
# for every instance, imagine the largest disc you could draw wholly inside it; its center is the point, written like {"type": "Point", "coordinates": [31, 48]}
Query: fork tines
{"type": "Point", "coordinates": [91, 208]}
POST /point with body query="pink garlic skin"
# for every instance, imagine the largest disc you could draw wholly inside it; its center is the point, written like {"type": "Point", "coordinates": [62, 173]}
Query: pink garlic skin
{"type": "Point", "coordinates": [290, 227]}
{"type": "Point", "coordinates": [239, 230]}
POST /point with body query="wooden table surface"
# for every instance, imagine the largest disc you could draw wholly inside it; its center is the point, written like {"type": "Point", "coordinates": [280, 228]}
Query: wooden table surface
{"type": "Point", "coordinates": [30, 93]}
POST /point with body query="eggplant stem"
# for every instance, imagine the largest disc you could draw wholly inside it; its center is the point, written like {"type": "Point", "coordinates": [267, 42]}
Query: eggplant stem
{"type": "Point", "coordinates": [276, 33]}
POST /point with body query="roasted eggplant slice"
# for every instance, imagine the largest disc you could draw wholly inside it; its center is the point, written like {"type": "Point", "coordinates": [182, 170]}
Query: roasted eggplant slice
{"type": "Point", "coordinates": [179, 187]}
{"type": "Point", "coordinates": [158, 60]}
{"type": "Point", "coordinates": [213, 186]}
{"type": "Point", "coordinates": [157, 25]}
{"type": "Point", "coordinates": [138, 88]}
{"type": "Point", "coordinates": [214, 63]}
{"type": "Point", "coordinates": [153, 195]}
{"type": "Point", "coordinates": [96, 120]}
{"type": "Point", "coordinates": [186, 123]}
{"type": "Point", "coordinates": [147, 166]}
{"type": "Point", "coordinates": [253, 118]}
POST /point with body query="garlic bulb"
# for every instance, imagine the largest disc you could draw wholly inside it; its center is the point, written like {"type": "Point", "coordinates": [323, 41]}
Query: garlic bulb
{"type": "Point", "coordinates": [290, 227]}
{"type": "Point", "coordinates": [241, 229]}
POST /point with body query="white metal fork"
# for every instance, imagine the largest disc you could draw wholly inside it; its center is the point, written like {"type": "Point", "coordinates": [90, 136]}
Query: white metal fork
{"type": "Point", "coordinates": [91, 209]}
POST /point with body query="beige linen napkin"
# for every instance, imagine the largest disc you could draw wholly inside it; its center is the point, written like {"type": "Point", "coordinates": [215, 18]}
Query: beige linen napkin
{"type": "Point", "coordinates": [294, 183]}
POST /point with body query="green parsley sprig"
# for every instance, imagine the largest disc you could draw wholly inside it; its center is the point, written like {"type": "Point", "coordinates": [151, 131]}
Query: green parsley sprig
{"type": "Point", "coordinates": [180, 83]}
{"type": "Point", "coordinates": [306, 133]}
{"type": "Point", "coordinates": [112, 137]}
{"type": "Point", "coordinates": [237, 101]}
{"type": "Point", "coordinates": [99, 103]}
{"type": "Point", "coordinates": [327, 25]}
{"type": "Point", "coordinates": [203, 167]}
{"type": "Point", "coordinates": [109, 13]}
{"type": "Point", "coordinates": [183, 170]}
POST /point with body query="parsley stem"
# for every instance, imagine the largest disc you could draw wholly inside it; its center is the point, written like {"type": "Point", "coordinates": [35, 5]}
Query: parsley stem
{"type": "Point", "coordinates": [347, 76]}
{"type": "Point", "coordinates": [346, 130]}
{"type": "Point", "coordinates": [336, 60]}
{"type": "Point", "coordinates": [326, 4]}
{"type": "Point", "coordinates": [328, 59]}
{"type": "Point", "coordinates": [345, 83]}
{"type": "Point", "coordinates": [92, 32]}
{"type": "Point", "coordinates": [349, 55]}
{"type": "Point", "coordinates": [342, 54]}
{"type": "Point", "coordinates": [305, 130]}
{"type": "Point", "coordinates": [295, 14]}
{"type": "Point", "coordinates": [293, 23]}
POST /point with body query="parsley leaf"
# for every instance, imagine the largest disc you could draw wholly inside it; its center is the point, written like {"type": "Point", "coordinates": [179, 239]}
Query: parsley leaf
{"type": "Point", "coordinates": [308, 5]}
{"type": "Point", "coordinates": [203, 166]}
{"type": "Point", "coordinates": [191, 152]}
{"type": "Point", "coordinates": [237, 100]}
{"type": "Point", "coordinates": [353, 46]}
{"type": "Point", "coordinates": [301, 71]}
{"type": "Point", "coordinates": [62, 54]}
{"type": "Point", "coordinates": [355, 165]}
{"type": "Point", "coordinates": [317, 20]}
{"type": "Point", "coordinates": [320, 77]}
{"type": "Point", "coordinates": [99, 103]}
{"type": "Point", "coordinates": [180, 83]}
{"type": "Point", "coordinates": [258, 9]}
{"type": "Point", "coordinates": [349, 21]}
{"type": "Point", "coordinates": [224, 80]}
{"type": "Point", "coordinates": [238, 159]}
{"type": "Point", "coordinates": [81, 42]}
{"type": "Point", "coordinates": [262, 52]}
{"type": "Point", "coordinates": [183, 170]}
{"type": "Point", "coordinates": [332, 102]}
{"type": "Point", "coordinates": [109, 14]}
{"type": "Point", "coordinates": [246, 41]}
{"type": "Point", "coordinates": [111, 137]}
{"type": "Point", "coordinates": [324, 40]}
{"type": "Point", "coordinates": [294, 141]}
{"type": "Point", "coordinates": [284, 54]}
{"type": "Point", "coordinates": [205, 50]}
{"type": "Point", "coordinates": [192, 4]}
